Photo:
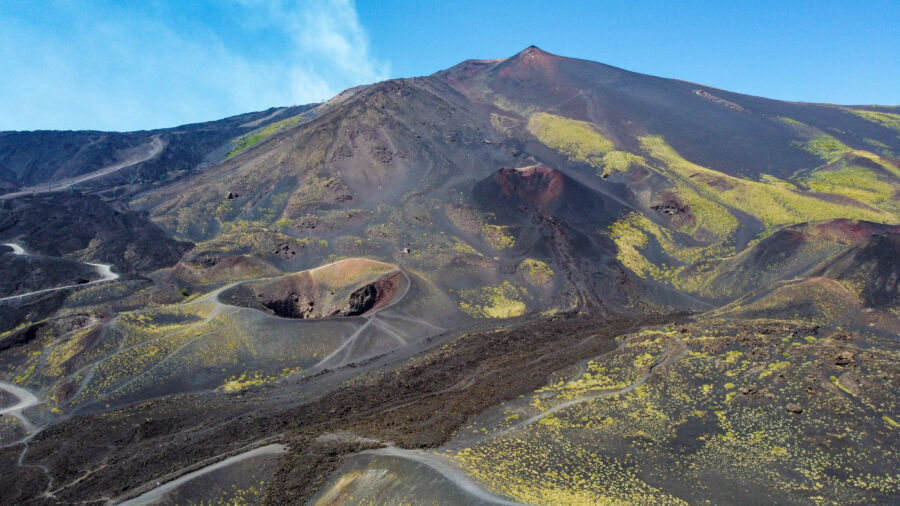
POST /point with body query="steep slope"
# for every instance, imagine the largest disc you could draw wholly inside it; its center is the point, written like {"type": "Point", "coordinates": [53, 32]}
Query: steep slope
{"type": "Point", "coordinates": [394, 161]}
{"type": "Point", "coordinates": [510, 277]}
{"type": "Point", "coordinates": [66, 233]}
{"type": "Point", "coordinates": [732, 133]}
{"type": "Point", "coordinates": [86, 228]}
{"type": "Point", "coordinates": [552, 216]}
{"type": "Point", "coordinates": [538, 188]}
{"type": "Point", "coordinates": [33, 158]}
{"type": "Point", "coordinates": [871, 269]}
{"type": "Point", "coordinates": [792, 253]}
{"type": "Point", "coordinates": [385, 142]}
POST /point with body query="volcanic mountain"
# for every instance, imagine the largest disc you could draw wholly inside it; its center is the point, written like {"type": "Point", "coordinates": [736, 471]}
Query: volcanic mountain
{"type": "Point", "coordinates": [436, 279]}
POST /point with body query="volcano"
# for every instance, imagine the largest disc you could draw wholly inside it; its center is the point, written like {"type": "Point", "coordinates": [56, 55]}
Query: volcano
{"type": "Point", "coordinates": [504, 280]}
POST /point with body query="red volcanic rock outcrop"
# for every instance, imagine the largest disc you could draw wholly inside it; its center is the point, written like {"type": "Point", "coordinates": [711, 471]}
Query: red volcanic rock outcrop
{"type": "Point", "coordinates": [537, 185]}
{"type": "Point", "coordinates": [517, 192]}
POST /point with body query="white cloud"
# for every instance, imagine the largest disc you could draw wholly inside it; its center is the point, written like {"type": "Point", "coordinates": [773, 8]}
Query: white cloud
{"type": "Point", "coordinates": [333, 29]}
{"type": "Point", "coordinates": [119, 72]}
{"type": "Point", "coordinates": [329, 46]}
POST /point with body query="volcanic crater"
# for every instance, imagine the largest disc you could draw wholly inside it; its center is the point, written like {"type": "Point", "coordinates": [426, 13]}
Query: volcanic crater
{"type": "Point", "coordinates": [352, 287]}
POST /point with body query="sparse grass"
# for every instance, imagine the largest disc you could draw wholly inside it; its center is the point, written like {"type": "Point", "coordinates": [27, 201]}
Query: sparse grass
{"type": "Point", "coordinates": [774, 205]}
{"type": "Point", "coordinates": [709, 418]}
{"type": "Point", "coordinates": [631, 241]}
{"type": "Point", "coordinates": [474, 221]}
{"type": "Point", "coordinates": [770, 179]}
{"type": "Point", "coordinates": [877, 144]}
{"type": "Point", "coordinates": [858, 183]}
{"type": "Point", "coordinates": [536, 273]}
{"type": "Point", "coordinates": [497, 237]}
{"type": "Point", "coordinates": [255, 378]}
{"type": "Point", "coordinates": [501, 301]}
{"type": "Point", "coordinates": [827, 147]}
{"type": "Point", "coordinates": [635, 233]}
{"type": "Point", "coordinates": [710, 194]}
{"type": "Point", "coordinates": [256, 136]}
{"type": "Point", "coordinates": [579, 140]}
{"type": "Point", "coordinates": [885, 119]}
{"type": "Point", "coordinates": [619, 161]}
{"type": "Point", "coordinates": [822, 301]}
{"type": "Point", "coordinates": [792, 122]}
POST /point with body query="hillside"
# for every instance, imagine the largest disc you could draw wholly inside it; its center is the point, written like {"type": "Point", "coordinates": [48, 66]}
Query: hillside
{"type": "Point", "coordinates": [508, 278]}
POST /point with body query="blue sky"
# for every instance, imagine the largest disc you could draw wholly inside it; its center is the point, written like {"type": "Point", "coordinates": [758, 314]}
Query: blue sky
{"type": "Point", "coordinates": [92, 64]}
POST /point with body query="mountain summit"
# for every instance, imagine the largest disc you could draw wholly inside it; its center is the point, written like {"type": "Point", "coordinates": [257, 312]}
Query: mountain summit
{"type": "Point", "coordinates": [505, 280]}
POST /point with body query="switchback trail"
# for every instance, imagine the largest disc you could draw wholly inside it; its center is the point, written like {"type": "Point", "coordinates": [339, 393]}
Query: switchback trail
{"type": "Point", "coordinates": [26, 400]}
{"type": "Point", "coordinates": [104, 270]}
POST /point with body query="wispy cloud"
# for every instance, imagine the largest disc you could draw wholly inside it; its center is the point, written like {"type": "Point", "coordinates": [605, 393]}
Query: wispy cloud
{"type": "Point", "coordinates": [329, 45]}
{"type": "Point", "coordinates": [135, 70]}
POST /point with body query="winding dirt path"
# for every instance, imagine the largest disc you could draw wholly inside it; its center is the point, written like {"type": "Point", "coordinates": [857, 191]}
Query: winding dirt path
{"type": "Point", "coordinates": [346, 347]}
{"type": "Point", "coordinates": [371, 318]}
{"type": "Point", "coordinates": [672, 354]}
{"type": "Point", "coordinates": [26, 400]}
{"type": "Point", "coordinates": [153, 148]}
{"type": "Point", "coordinates": [17, 250]}
{"type": "Point", "coordinates": [447, 469]}
{"type": "Point", "coordinates": [158, 492]}
{"type": "Point", "coordinates": [104, 270]}
{"type": "Point", "coordinates": [452, 472]}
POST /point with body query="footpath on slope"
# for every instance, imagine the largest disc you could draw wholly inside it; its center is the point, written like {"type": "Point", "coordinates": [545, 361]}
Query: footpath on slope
{"type": "Point", "coordinates": [104, 270]}
{"type": "Point", "coordinates": [155, 146]}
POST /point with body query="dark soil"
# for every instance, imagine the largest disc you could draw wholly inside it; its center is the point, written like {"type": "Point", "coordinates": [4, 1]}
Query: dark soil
{"type": "Point", "coordinates": [107, 232]}
{"type": "Point", "coordinates": [876, 261]}
{"type": "Point", "coordinates": [303, 473]}
{"type": "Point", "coordinates": [29, 158]}
{"type": "Point", "coordinates": [23, 274]}
{"type": "Point", "coordinates": [419, 404]}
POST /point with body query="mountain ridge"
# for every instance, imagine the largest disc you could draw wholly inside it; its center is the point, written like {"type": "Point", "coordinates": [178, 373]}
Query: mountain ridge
{"type": "Point", "coordinates": [510, 276]}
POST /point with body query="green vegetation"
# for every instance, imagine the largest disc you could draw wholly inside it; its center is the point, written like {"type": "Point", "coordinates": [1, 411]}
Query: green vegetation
{"type": "Point", "coordinates": [713, 416]}
{"type": "Point", "coordinates": [463, 247]}
{"type": "Point", "coordinates": [820, 300]}
{"type": "Point", "coordinates": [635, 234]}
{"type": "Point", "coordinates": [793, 122]}
{"type": "Point", "coordinates": [579, 140]}
{"type": "Point", "coordinates": [631, 241]}
{"type": "Point", "coordinates": [886, 119]}
{"type": "Point", "coordinates": [502, 301]}
{"type": "Point", "coordinates": [155, 347]}
{"type": "Point", "coordinates": [256, 136]}
{"type": "Point", "coordinates": [770, 179]}
{"type": "Point", "coordinates": [881, 162]}
{"type": "Point", "coordinates": [536, 273]}
{"type": "Point", "coordinates": [255, 378]}
{"type": "Point", "coordinates": [877, 144]}
{"type": "Point", "coordinates": [620, 161]}
{"type": "Point", "coordinates": [859, 183]}
{"type": "Point", "coordinates": [497, 237]}
{"type": "Point", "coordinates": [774, 205]}
{"type": "Point", "coordinates": [827, 148]}
{"type": "Point", "coordinates": [474, 221]}
{"type": "Point", "coordinates": [652, 251]}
